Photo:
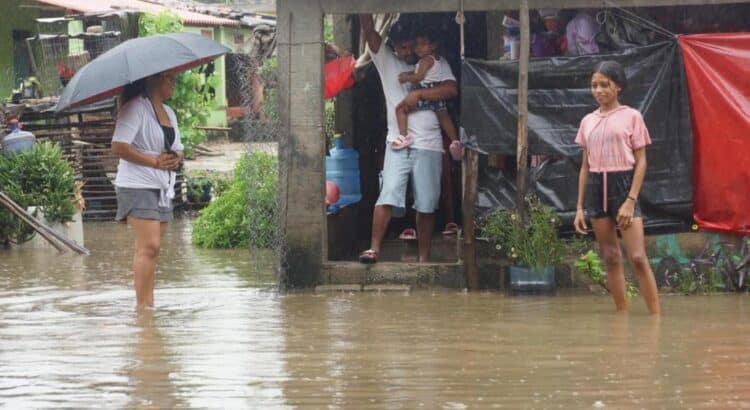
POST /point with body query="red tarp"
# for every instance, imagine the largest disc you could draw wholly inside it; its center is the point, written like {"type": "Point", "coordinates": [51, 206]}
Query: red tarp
{"type": "Point", "coordinates": [718, 76]}
{"type": "Point", "coordinates": [338, 75]}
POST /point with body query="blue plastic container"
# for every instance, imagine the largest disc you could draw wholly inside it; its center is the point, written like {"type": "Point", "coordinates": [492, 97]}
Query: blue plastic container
{"type": "Point", "coordinates": [342, 167]}
{"type": "Point", "coordinates": [17, 140]}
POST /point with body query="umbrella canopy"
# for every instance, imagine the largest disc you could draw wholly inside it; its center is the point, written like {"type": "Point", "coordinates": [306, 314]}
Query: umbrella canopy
{"type": "Point", "coordinates": [134, 59]}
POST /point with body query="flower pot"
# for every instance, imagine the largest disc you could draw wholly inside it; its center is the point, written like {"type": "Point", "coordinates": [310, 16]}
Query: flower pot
{"type": "Point", "coordinates": [524, 279]}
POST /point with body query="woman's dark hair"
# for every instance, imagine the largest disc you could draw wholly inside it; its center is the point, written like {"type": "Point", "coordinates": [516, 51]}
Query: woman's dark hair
{"type": "Point", "coordinates": [612, 70]}
{"type": "Point", "coordinates": [132, 90]}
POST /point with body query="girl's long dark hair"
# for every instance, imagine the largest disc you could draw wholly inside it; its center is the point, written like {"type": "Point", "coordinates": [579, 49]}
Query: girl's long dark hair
{"type": "Point", "coordinates": [612, 70]}
{"type": "Point", "coordinates": [132, 90]}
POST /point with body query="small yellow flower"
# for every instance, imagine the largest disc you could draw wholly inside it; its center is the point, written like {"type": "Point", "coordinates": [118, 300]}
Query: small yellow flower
{"type": "Point", "coordinates": [514, 256]}
{"type": "Point", "coordinates": [513, 217]}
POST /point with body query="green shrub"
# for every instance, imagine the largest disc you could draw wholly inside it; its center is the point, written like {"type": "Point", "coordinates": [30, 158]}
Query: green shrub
{"type": "Point", "coordinates": [534, 244]}
{"type": "Point", "coordinates": [199, 180]}
{"type": "Point", "coordinates": [246, 213]}
{"type": "Point", "coordinates": [39, 177]}
{"type": "Point", "coordinates": [591, 265]}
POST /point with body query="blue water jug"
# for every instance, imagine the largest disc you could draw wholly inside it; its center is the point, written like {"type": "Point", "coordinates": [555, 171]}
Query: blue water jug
{"type": "Point", "coordinates": [342, 167]}
{"type": "Point", "coordinates": [17, 140]}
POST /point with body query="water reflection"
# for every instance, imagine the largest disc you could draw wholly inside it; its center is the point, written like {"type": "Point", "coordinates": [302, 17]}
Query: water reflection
{"type": "Point", "coordinates": [151, 372]}
{"type": "Point", "coordinates": [222, 337]}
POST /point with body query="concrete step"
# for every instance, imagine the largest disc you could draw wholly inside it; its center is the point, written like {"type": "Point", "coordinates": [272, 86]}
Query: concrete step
{"type": "Point", "coordinates": [442, 249]}
{"type": "Point", "coordinates": [375, 276]}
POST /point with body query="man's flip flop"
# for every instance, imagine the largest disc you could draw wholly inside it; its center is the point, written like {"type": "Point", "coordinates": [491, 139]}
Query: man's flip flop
{"type": "Point", "coordinates": [450, 229]}
{"type": "Point", "coordinates": [409, 234]}
{"type": "Point", "coordinates": [369, 256]}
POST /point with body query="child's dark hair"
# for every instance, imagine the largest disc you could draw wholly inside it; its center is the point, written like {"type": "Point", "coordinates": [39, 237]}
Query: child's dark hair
{"type": "Point", "coordinates": [612, 70]}
{"type": "Point", "coordinates": [429, 33]}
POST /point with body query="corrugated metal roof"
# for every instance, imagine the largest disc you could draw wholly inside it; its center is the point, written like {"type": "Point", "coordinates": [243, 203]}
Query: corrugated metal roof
{"type": "Point", "coordinates": [189, 18]}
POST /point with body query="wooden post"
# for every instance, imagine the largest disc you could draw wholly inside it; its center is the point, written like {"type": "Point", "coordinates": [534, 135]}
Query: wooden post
{"type": "Point", "coordinates": [470, 175]}
{"type": "Point", "coordinates": [342, 38]}
{"type": "Point", "coordinates": [495, 31]}
{"type": "Point", "coordinates": [522, 148]}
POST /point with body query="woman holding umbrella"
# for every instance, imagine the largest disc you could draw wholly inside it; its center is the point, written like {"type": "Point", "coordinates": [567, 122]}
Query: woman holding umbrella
{"type": "Point", "coordinates": [147, 141]}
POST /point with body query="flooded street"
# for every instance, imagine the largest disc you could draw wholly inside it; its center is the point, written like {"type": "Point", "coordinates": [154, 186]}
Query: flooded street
{"type": "Point", "coordinates": [221, 337]}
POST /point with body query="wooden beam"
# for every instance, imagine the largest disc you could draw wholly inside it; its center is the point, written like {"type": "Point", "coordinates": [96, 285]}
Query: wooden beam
{"type": "Point", "coordinates": [470, 173]}
{"type": "Point", "coordinates": [522, 144]}
{"type": "Point", "coordinates": [343, 38]}
{"type": "Point", "coordinates": [413, 6]}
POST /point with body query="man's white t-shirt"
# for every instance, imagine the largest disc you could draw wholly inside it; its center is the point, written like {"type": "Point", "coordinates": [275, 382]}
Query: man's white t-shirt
{"type": "Point", "coordinates": [423, 124]}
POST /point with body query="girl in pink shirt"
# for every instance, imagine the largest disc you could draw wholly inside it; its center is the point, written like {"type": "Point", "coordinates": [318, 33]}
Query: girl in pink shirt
{"type": "Point", "coordinates": [614, 139]}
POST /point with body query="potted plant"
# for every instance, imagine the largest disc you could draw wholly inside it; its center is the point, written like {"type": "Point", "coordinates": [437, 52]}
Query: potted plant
{"type": "Point", "coordinates": [533, 246]}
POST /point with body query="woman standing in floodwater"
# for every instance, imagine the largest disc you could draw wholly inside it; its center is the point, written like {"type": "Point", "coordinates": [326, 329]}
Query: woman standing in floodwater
{"type": "Point", "coordinates": [147, 141]}
{"type": "Point", "coordinates": [614, 140]}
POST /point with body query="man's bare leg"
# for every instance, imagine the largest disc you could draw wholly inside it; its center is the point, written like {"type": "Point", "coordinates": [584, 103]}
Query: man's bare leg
{"type": "Point", "coordinates": [381, 217]}
{"type": "Point", "coordinates": [425, 227]}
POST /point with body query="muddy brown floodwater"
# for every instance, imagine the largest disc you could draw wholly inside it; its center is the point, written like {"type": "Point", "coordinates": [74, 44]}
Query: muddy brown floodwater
{"type": "Point", "coordinates": [222, 337]}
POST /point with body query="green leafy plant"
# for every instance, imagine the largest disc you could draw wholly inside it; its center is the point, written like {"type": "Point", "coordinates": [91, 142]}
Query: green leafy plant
{"type": "Point", "coordinates": [268, 74]}
{"type": "Point", "coordinates": [40, 177]}
{"type": "Point", "coordinates": [330, 119]}
{"type": "Point", "coordinates": [591, 265]}
{"type": "Point", "coordinates": [200, 181]}
{"type": "Point", "coordinates": [193, 99]}
{"type": "Point", "coordinates": [246, 213]}
{"type": "Point", "coordinates": [328, 29]}
{"type": "Point", "coordinates": [534, 244]}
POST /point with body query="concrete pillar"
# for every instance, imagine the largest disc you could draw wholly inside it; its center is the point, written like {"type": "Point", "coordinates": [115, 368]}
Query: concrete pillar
{"type": "Point", "coordinates": [342, 37]}
{"type": "Point", "coordinates": [301, 143]}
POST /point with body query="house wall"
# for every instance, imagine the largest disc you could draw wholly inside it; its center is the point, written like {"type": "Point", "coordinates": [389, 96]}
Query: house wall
{"type": "Point", "coordinates": [12, 18]}
{"type": "Point", "coordinates": [225, 36]}
{"type": "Point", "coordinates": [218, 116]}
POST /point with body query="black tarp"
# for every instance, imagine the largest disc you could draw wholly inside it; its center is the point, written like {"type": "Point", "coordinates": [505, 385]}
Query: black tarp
{"type": "Point", "coordinates": [559, 97]}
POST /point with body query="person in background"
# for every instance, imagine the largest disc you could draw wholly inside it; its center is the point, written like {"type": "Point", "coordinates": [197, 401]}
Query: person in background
{"type": "Point", "coordinates": [147, 141]}
{"type": "Point", "coordinates": [614, 140]}
{"type": "Point", "coordinates": [581, 34]}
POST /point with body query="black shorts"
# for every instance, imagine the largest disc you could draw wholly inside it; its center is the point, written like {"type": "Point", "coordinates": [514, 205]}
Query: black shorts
{"type": "Point", "coordinates": [618, 188]}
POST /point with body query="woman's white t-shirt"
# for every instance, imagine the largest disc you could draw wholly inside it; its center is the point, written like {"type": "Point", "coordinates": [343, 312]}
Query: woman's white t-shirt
{"type": "Point", "coordinates": [138, 126]}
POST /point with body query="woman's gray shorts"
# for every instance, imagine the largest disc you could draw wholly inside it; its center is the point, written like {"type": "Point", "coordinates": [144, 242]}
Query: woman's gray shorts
{"type": "Point", "coordinates": [142, 204]}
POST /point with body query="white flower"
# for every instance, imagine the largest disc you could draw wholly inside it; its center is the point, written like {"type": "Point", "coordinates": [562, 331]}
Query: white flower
{"type": "Point", "coordinates": [498, 246]}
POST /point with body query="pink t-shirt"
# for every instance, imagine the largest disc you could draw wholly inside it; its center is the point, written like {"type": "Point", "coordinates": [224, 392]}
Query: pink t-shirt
{"type": "Point", "coordinates": [611, 138]}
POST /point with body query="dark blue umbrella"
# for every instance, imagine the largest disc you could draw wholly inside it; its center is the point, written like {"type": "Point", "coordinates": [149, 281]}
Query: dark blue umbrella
{"type": "Point", "coordinates": [134, 59]}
